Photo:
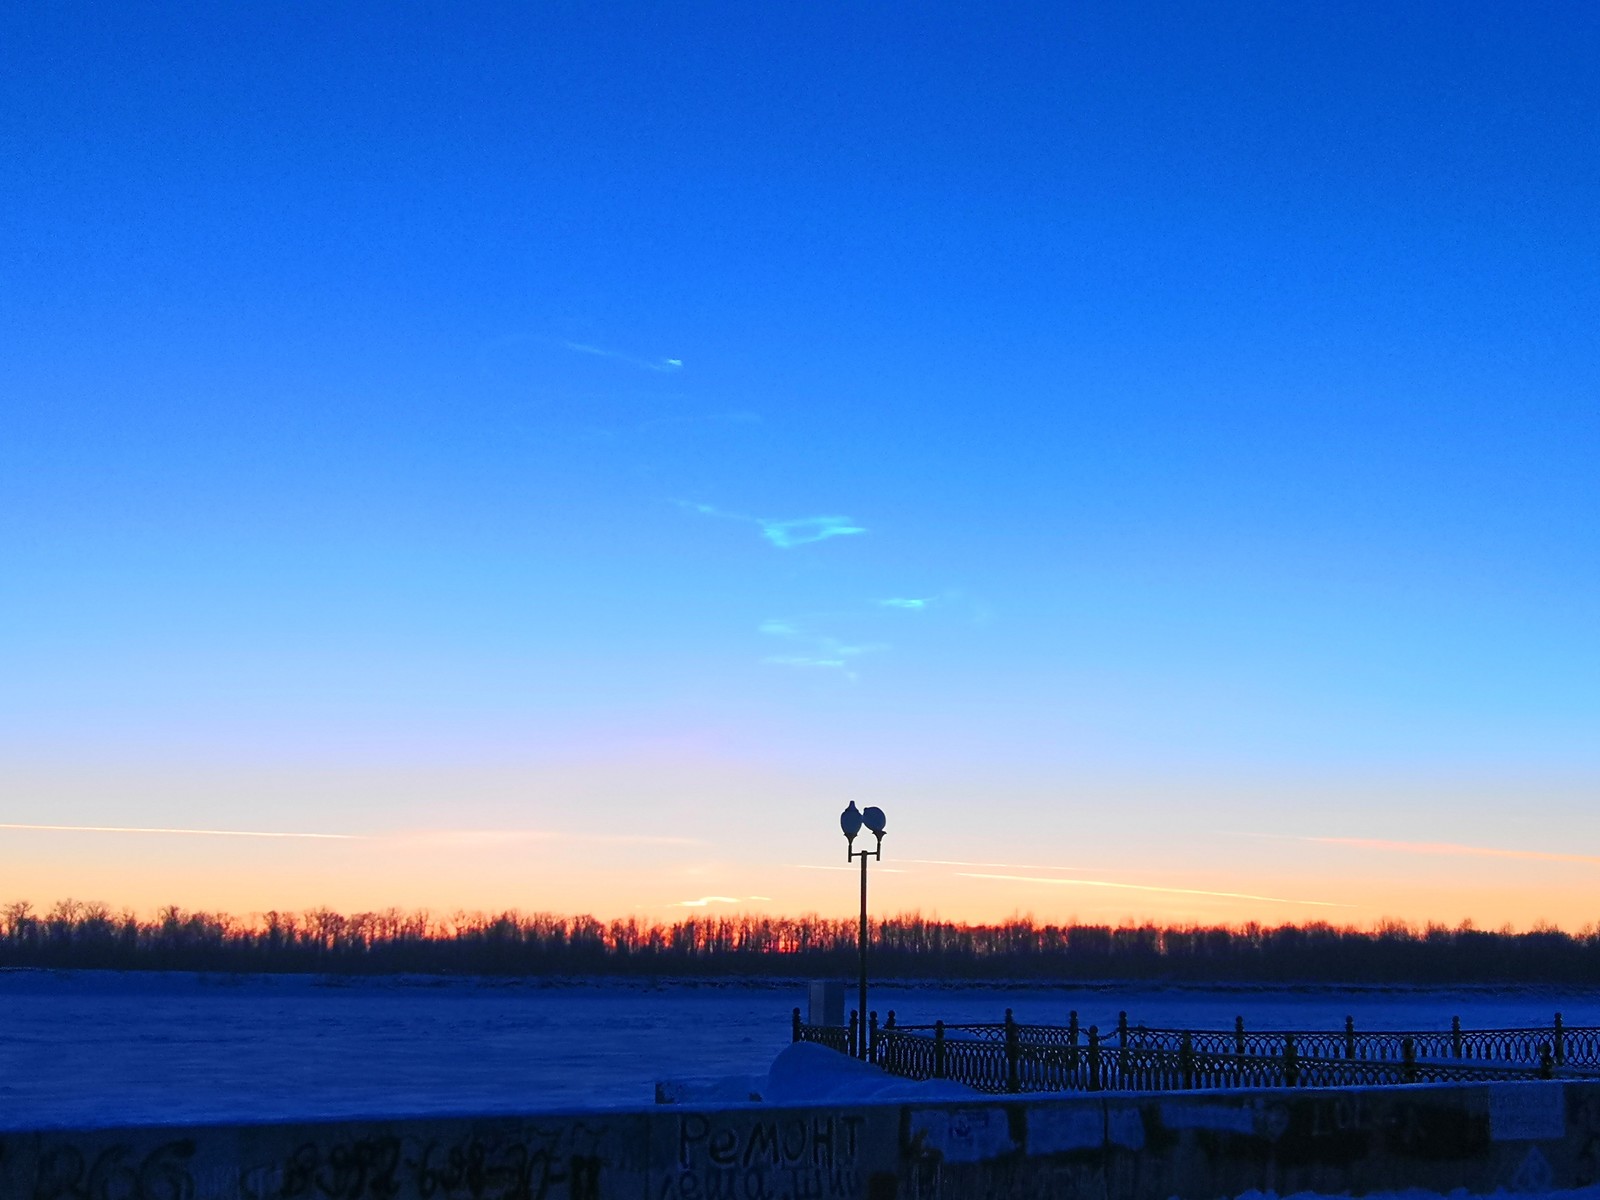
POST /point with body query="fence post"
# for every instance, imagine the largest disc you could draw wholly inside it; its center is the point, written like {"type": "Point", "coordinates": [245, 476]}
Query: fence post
{"type": "Point", "coordinates": [1094, 1058]}
{"type": "Point", "coordinates": [1013, 1075]}
{"type": "Point", "coordinates": [872, 1037]}
{"type": "Point", "coordinates": [1122, 1049]}
{"type": "Point", "coordinates": [1455, 1037]}
{"type": "Point", "coordinates": [889, 1024]}
{"type": "Point", "coordinates": [1238, 1035]}
{"type": "Point", "coordinates": [855, 1034]}
{"type": "Point", "coordinates": [1350, 1037]}
{"type": "Point", "coordinates": [796, 1023]}
{"type": "Point", "coordinates": [1072, 1039]}
{"type": "Point", "coordinates": [938, 1049]}
{"type": "Point", "coordinates": [1547, 1068]}
{"type": "Point", "coordinates": [1408, 1056]}
{"type": "Point", "coordinates": [1186, 1060]}
{"type": "Point", "coordinates": [1291, 1062]}
{"type": "Point", "coordinates": [1561, 1042]}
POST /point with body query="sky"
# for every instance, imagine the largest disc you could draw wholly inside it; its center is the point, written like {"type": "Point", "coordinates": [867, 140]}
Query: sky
{"type": "Point", "coordinates": [556, 456]}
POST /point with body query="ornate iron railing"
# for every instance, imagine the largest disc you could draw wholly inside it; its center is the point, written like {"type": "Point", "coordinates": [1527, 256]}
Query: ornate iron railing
{"type": "Point", "coordinates": [1568, 1046]}
{"type": "Point", "coordinates": [1010, 1056]}
{"type": "Point", "coordinates": [1576, 1046]}
{"type": "Point", "coordinates": [834, 1037]}
{"type": "Point", "coordinates": [1015, 1065]}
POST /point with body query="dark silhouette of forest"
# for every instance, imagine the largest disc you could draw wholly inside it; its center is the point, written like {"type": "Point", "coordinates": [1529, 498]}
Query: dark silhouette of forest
{"type": "Point", "coordinates": [73, 934]}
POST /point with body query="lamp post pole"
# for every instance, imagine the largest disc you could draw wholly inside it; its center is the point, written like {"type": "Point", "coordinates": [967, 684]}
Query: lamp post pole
{"type": "Point", "coordinates": [861, 960]}
{"type": "Point", "coordinates": [851, 821]}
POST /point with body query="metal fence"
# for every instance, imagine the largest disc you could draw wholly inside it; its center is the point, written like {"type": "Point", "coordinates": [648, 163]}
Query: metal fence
{"type": "Point", "coordinates": [1010, 1056]}
{"type": "Point", "coordinates": [834, 1037]}
{"type": "Point", "coordinates": [1567, 1046]}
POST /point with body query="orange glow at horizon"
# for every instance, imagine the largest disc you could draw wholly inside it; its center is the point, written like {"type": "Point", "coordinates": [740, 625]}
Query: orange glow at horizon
{"type": "Point", "coordinates": [621, 850]}
{"type": "Point", "coordinates": [369, 876]}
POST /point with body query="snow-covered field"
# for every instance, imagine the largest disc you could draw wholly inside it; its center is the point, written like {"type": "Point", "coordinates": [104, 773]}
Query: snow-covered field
{"type": "Point", "coordinates": [105, 1047]}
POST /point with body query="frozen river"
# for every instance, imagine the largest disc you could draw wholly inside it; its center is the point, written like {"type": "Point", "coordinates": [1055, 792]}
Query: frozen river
{"type": "Point", "coordinates": [106, 1047]}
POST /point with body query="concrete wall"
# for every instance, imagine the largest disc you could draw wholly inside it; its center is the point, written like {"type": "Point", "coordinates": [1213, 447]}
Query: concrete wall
{"type": "Point", "coordinates": [1195, 1146]}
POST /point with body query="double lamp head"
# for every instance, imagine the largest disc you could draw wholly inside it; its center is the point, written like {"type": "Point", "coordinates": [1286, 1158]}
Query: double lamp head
{"type": "Point", "coordinates": [852, 819]}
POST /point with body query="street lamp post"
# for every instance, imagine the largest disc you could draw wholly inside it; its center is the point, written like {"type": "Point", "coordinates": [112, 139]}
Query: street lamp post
{"type": "Point", "coordinates": [851, 820]}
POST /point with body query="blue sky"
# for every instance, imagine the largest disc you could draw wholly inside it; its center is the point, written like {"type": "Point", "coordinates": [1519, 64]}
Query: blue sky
{"type": "Point", "coordinates": [537, 420]}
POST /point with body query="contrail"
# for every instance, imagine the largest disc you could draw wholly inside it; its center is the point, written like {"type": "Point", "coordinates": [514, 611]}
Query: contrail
{"type": "Point", "coordinates": [494, 837]}
{"type": "Point", "coordinates": [1441, 848]}
{"type": "Point", "coordinates": [959, 862]}
{"type": "Point", "coordinates": [463, 837]}
{"type": "Point", "coordinates": [1147, 887]}
{"type": "Point", "coordinates": [255, 833]}
{"type": "Point", "coordinates": [662, 365]}
{"type": "Point", "coordinates": [784, 535]}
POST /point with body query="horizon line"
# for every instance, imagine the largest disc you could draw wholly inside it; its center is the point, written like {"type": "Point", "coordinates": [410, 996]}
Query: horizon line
{"type": "Point", "coordinates": [1377, 925]}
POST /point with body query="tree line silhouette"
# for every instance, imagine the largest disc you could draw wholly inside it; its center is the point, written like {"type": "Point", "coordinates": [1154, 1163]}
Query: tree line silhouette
{"type": "Point", "coordinates": [74, 934]}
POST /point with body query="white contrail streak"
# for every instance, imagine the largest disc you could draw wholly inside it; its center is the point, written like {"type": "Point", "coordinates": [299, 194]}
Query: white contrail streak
{"type": "Point", "coordinates": [1438, 848]}
{"type": "Point", "coordinates": [1148, 887]}
{"type": "Point", "coordinates": [957, 862]}
{"type": "Point", "coordinates": [254, 833]}
{"type": "Point", "coordinates": [508, 837]}
{"type": "Point", "coordinates": [452, 837]}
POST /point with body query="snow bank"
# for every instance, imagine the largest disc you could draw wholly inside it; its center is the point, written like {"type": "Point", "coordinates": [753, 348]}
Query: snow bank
{"type": "Point", "coordinates": [805, 1073]}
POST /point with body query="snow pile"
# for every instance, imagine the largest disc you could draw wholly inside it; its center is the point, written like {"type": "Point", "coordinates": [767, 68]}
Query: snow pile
{"type": "Point", "coordinates": [805, 1073]}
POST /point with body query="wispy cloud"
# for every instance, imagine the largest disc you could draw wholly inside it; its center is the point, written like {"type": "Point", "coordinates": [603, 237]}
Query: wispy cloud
{"type": "Point", "coordinates": [706, 901]}
{"type": "Point", "coordinates": [144, 829]}
{"type": "Point", "coordinates": [786, 534]}
{"type": "Point", "coordinates": [951, 604]}
{"type": "Point", "coordinates": [661, 365]}
{"type": "Point", "coordinates": [1444, 849]}
{"type": "Point", "coordinates": [829, 645]}
{"type": "Point", "coordinates": [831, 652]}
{"type": "Point", "coordinates": [805, 530]}
{"type": "Point", "coordinates": [1146, 887]}
{"type": "Point", "coordinates": [815, 650]}
{"type": "Point", "coordinates": [430, 837]}
{"type": "Point", "coordinates": [954, 862]}
{"type": "Point", "coordinates": [509, 837]}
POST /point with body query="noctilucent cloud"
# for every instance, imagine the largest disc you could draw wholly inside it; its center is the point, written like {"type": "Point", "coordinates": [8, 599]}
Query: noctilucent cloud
{"type": "Point", "coordinates": [555, 458]}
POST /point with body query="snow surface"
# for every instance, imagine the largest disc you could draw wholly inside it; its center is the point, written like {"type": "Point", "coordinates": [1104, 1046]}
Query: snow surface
{"type": "Point", "coordinates": [809, 1074]}
{"type": "Point", "coordinates": [82, 1048]}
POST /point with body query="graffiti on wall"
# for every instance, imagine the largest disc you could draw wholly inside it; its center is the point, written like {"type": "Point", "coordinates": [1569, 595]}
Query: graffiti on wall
{"type": "Point", "coordinates": [517, 1161]}
{"type": "Point", "coordinates": [529, 1162]}
{"type": "Point", "coordinates": [796, 1156]}
{"type": "Point", "coordinates": [116, 1172]}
